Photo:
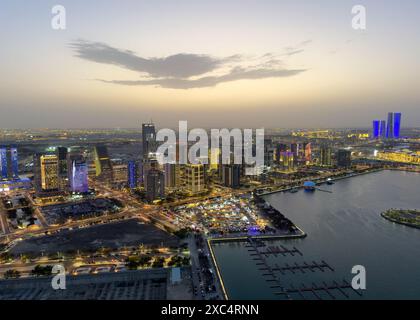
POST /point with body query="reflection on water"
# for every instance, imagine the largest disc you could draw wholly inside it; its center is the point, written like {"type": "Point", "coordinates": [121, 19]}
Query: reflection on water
{"type": "Point", "coordinates": [344, 229]}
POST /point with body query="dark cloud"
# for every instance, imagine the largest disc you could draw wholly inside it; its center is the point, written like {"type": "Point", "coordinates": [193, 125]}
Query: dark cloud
{"type": "Point", "coordinates": [184, 71]}
{"type": "Point", "coordinates": [180, 65]}
{"type": "Point", "coordinates": [237, 74]}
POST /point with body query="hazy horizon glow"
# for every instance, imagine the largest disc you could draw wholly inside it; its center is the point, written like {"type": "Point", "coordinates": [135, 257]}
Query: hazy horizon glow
{"type": "Point", "coordinates": [290, 63]}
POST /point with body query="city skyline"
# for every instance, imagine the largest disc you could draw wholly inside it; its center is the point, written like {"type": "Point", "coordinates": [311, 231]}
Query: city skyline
{"type": "Point", "coordinates": [232, 64]}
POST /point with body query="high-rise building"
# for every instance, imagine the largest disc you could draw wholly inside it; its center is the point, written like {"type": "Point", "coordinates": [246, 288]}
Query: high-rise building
{"type": "Point", "coordinates": [103, 164]}
{"type": "Point", "coordinates": [268, 152]}
{"type": "Point", "coordinates": [9, 167]}
{"type": "Point", "coordinates": [78, 173]}
{"type": "Point", "coordinates": [132, 175]}
{"type": "Point", "coordinates": [281, 147]}
{"type": "Point", "coordinates": [390, 126]}
{"type": "Point", "coordinates": [382, 129]}
{"type": "Point", "coordinates": [397, 125]}
{"type": "Point", "coordinates": [287, 161]}
{"type": "Point", "coordinates": [375, 129]}
{"type": "Point", "coordinates": [344, 158]}
{"type": "Point", "coordinates": [147, 164]}
{"type": "Point", "coordinates": [148, 133]}
{"type": "Point", "coordinates": [294, 148]}
{"type": "Point", "coordinates": [308, 153]}
{"type": "Point", "coordinates": [63, 174]}
{"type": "Point", "coordinates": [120, 174]}
{"type": "Point", "coordinates": [325, 156]}
{"type": "Point", "coordinates": [49, 172]}
{"type": "Point", "coordinates": [195, 178]}
{"type": "Point", "coordinates": [172, 175]}
{"type": "Point", "coordinates": [3, 163]}
{"type": "Point", "coordinates": [214, 156]}
{"type": "Point", "coordinates": [155, 185]}
{"type": "Point", "coordinates": [231, 175]}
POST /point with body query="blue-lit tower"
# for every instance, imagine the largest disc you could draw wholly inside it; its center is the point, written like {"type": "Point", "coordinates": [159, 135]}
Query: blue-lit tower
{"type": "Point", "coordinates": [382, 129]}
{"type": "Point", "coordinates": [14, 163]}
{"type": "Point", "coordinates": [132, 175]}
{"type": "Point", "coordinates": [9, 166]}
{"type": "Point", "coordinates": [3, 163]}
{"type": "Point", "coordinates": [375, 129]}
{"type": "Point", "coordinates": [397, 125]}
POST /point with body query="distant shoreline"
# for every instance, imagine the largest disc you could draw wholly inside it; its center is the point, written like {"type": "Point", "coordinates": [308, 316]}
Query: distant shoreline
{"type": "Point", "coordinates": [323, 180]}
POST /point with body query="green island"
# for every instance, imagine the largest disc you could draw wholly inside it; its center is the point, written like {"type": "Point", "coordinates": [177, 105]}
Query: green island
{"type": "Point", "coordinates": [406, 217]}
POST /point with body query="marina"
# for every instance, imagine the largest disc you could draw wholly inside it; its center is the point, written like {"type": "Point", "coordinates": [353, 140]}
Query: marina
{"type": "Point", "coordinates": [339, 236]}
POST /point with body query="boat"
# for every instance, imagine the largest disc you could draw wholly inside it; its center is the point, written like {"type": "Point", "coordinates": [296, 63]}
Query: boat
{"type": "Point", "coordinates": [309, 186]}
{"type": "Point", "coordinates": [293, 190]}
{"type": "Point", "coordinates": [329, 181]}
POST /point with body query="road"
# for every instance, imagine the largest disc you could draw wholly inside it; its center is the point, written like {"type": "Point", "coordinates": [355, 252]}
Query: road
{"type": "Point", "coordinates": [3, 219]}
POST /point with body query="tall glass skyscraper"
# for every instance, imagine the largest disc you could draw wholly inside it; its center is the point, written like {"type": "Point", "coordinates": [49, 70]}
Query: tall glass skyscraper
{"type": "Point", "coordinates": [397, 125]}
{"type": "Point", "coordinates": [148, 133]}
{"type": "Point", "coordinates": [132, 175]}
{"type": "Point", "coordinates": [9, 166]}
{"type": "Point", "coordinates": [3, 163]}
{"type": "Point", "coordinates": [103, 164]}
{"type": "Point", "coordinates": [382, 129]}
{"type": "Point", "coordinates": [390, 126]}
{"type": "Point", "coordinates": [78, 174]}
{"type": "Point", "coordinates": [375, 129]}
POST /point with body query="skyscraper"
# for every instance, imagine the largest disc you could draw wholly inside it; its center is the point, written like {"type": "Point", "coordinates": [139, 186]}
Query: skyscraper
{"type": "Point", "coordinates": [172, 175]}
{"type": "Point", "coordinates": [375, 129]}
{"type": "Point", "coordinates": [132, 178]}
{"type": "Point", "coordinates": [120, 174]}
{"type": "Point", "coordinates": [148, 133]}
{"type": "Point", "coordinates": [103, 164]}
{"type": "Point", "coordinates": [268, 152]}
{"type": "Point", "coordinates": [281, 147]}
{"type": "Point", "coordinates": [325, 156]}
{"type": "Point", "coordinates": [308, 153]}
{"type": "Point", "coordinates": [155, 185]}
{"type": "Point", "coordinates": [49, 172]}
{"type": "Point", "coordinates": [63, 174]}
{"type": "Point", "coordinates": [78, 173]}
{"type": "Point", "coordinates": [382, 129]}
{"type": "Point", "coordinates": [195, 178]}
{"type": "Point", "coordinates": [9, 167]}
{"type": "Point", "coordinates": [390, 126]}
{"type": "Point", "coordinates": [344, 158]}
{"type": "Point", "coordinates": [287, 161]}
{"type": "Point", "coordinates": [231, 175]}
{"type": "Point", "coordinates": [397, 125]}
{"type": "Point", "coordinates": [147, 164]}
{"type": "Point", "coordinates": [3, 163]}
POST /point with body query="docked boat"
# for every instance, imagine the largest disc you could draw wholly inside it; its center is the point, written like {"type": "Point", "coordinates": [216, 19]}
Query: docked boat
{"type": "Point", "coordinates": [309, 186]}
{"type": "Point", "coordinates": [329, 181]}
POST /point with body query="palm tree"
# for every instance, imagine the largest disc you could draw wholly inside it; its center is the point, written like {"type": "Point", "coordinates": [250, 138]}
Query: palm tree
{"type": "Point", "coordinates": [11, 274]}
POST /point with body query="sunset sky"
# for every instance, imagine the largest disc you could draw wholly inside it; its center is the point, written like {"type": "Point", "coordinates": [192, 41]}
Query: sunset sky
{"type": "Point", "coordinates": [273, 64]}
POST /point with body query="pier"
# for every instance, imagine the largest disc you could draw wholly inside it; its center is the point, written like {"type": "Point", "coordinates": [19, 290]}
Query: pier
{"type": "Point", "coordinates": [316, 290]}
{"type": "Point", "coordinates": [260, 252]}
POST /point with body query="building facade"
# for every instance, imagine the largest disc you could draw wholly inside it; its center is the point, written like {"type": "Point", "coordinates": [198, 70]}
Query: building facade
{"type": "Point", "coordinates": [155, 185]}
{"type": "Point", "coordinates": [78, 174]}
{"type": "Point", "coordinates": [344, 158]}
{"type": "Point", "coordinates": [195, 178]}
{"type": "Point", "coordinates": [9, 166]}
